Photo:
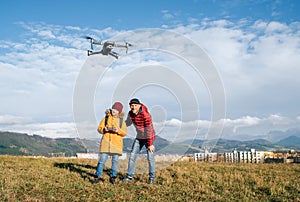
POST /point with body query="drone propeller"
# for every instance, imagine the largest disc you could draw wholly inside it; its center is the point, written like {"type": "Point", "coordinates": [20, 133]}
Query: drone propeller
{"type": "Point", "coordinates": [127, 45]}
{"type": "Point", "coordinates": [87, 37]}
{"type": "Point", "coordinates": [91, 41]}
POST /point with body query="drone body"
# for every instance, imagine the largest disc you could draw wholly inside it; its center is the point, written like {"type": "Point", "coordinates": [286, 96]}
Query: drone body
{"type": "Point", "coordinates": [107, 47]}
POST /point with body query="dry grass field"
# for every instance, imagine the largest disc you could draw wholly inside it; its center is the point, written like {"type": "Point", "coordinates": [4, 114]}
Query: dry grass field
{"type": "Point", "coordinates": [62, 179]}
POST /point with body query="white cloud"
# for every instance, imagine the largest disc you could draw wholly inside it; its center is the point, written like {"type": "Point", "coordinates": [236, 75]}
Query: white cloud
{"type": "Point", "coordinates": [167, 15]}
{"type": "Point", "coordinates": [173, 122]}
{"type": "Point", "coordinates": [255, 64]}
{"type": "Point", "coordinates": [11, 120]}
{"type": "Point", "coordinates": [243, 128]}
{"type": "Point", "coordinates": [276, 27]}
{"type": "Point", "coordinates": [51, 130]}
{"type": "Point", "coordinates": [258, 62]}
{"type": "Point", "coordinates": [73, 28]}
{"type": "Point", "coordinates": [46, 34]}
{"type": "Point", "coordinates": [241, 122]}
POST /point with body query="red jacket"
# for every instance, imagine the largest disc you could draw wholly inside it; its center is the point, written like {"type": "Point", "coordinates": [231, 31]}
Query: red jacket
{"type": "Point", "coordinates": [143, 124]}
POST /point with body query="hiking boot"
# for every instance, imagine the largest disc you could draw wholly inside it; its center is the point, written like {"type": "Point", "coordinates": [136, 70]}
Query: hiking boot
{"type": "Point", "coordinates": [97, 180]}
{"type": "Point", "coordinates": [127, 179]}
{"type": "Point", "coordinates": [151, 181]}
{"type": "Point", "coordinates": [112, 180]}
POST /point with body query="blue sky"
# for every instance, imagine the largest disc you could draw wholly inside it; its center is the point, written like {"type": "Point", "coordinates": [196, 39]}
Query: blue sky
{"type": "Point", "coordinates": [140, 14]}
{"type": "Point", "coordinates": [255, 46]}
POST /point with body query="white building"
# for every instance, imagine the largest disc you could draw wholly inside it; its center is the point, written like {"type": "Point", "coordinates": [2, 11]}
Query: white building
{"type": "Point", "coordinates": [96, 156]}
{"type": "Point", "coordinates": [232, 157]}
{"type": "Point", "coordinates": [87, 155]}
{"type": "Point", "coordinates": [206, 156]}
{"type": "Point", "coordinates": [251, 156]}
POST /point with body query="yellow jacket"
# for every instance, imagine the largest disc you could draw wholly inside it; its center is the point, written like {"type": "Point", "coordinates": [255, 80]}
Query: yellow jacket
{"type": "Point", "coordinates": [112, 142]}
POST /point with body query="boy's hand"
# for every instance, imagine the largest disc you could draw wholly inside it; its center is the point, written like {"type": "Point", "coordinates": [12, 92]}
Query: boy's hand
{"type": "Point", "coordinates": [105, 129]}
{"type": "Point", "coordinates": [108, 129]}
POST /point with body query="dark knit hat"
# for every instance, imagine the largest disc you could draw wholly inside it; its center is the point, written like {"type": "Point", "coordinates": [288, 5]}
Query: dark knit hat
{"type": "Point", "coordinates": [118, 106]}
{"type": "Point", "coordinates": [134, 101]}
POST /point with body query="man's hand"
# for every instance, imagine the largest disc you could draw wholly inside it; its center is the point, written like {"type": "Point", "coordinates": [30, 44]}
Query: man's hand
{"type": "Point", "coordinates": [151, 148]}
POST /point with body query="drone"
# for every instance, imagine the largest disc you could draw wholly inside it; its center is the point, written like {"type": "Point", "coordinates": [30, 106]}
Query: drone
{"type": "Point", "coordinates": [107, 47]}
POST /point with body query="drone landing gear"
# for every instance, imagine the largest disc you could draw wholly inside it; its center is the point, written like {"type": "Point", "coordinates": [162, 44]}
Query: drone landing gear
{"type": "Point", "coordinates": [114, 54]}
{"type": "Point", "coordinates": [89, 52]}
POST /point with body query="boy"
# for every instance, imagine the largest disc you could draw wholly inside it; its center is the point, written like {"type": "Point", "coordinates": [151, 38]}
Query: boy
{"type": "Point", "coordinates": [113, 128]}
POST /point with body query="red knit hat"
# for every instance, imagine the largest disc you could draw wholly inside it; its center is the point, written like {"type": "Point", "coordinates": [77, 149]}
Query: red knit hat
{"type": "Point", "coordinates": [118, 106]}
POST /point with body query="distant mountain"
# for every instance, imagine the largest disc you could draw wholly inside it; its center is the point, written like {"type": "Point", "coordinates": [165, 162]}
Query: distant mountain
{"type": "Point", "coordinates": [35, 145]}
{"type": "Point", "coordinates": [292, 141]}
{"type": "Point", "coordinates": [160, 143]}
{"type": "Point", "coordinates": [23, 144]}
{"type": "Point", "coordinates": [224, 145]}
{"type": "Point", "coordinates": [276, 135]}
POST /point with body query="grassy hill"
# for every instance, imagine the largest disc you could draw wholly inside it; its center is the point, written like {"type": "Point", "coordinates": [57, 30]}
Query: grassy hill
{"type": "Point", "coordinates": [62, 179]}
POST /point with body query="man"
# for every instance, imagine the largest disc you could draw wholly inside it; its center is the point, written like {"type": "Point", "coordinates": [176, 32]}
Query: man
{"type": "Point", "coordinates": [142, 120]}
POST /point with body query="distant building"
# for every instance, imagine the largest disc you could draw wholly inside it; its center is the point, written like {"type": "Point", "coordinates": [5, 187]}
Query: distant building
{"type": "Point", "coordinates": [57, 154]}
{"type": "Point", "coordinates": [232, 157]}
{"type": "Point", "coordinates": [206, 156]}
{"type": "Point", "coordinates": [95, 156]}
{"type": "Point", "coordinates": [251, 156]}
{"type": "Point", "coordinates": [258, 157]}
{"type": "Point", "coordinates": [166, 157]}
{"type": "Point", "coordinates": [87, 155]}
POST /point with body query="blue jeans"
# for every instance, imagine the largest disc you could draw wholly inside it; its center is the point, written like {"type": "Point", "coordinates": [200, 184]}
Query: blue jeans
{"type": "Point", "coordinates": [102, 161]}
{"type": "Point", "coordinates": [136, 148]}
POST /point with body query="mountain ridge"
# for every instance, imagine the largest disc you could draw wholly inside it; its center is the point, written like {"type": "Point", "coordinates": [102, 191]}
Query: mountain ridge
{"type": "Point", "coordinates": [13, 143]}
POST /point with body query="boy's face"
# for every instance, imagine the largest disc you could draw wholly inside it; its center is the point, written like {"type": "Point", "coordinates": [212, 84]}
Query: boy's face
{"type": "Point", "coordinates": [135, 108]}
{"type": "Point", "coordinates": [114, 112]}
